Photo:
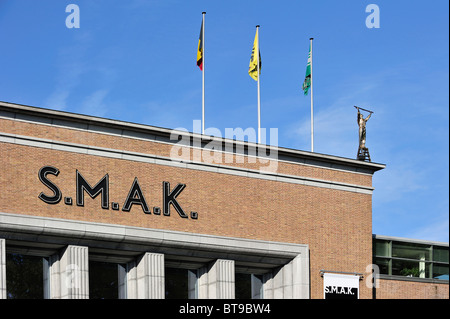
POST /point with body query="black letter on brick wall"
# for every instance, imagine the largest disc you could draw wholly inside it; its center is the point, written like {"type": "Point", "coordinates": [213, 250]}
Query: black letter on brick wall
{"type": "Point", "coordinates": [43, 178]}
{"type": "Point", "coordinates": [170, 198]}
{"type": "Point", "coordinates": [135, 196]}
{"type": "Point", "coordinates": [100, 187]}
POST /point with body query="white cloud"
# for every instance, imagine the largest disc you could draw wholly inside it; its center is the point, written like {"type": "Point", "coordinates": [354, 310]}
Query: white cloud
{"type": "Point", "coordinates": [434, 231]}
{"type": "Point", "coordinates": [58, 99]}
{"type": "Point", "coordinates": [71, 67]}
{"type": "Point", "coordinates": [94, 104]}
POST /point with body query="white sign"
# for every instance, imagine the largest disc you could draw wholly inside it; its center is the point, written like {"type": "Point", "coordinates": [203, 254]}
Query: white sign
{"type": "Point", "coordinates": [339, 286]}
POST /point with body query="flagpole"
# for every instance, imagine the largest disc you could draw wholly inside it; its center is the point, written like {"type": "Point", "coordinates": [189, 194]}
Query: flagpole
{"type": "Point", "coordinates": [203, 73]}
{"type": "Point", "coordinates": [312, 108]}
{"type": "Point", "coordinates": [259, 94]}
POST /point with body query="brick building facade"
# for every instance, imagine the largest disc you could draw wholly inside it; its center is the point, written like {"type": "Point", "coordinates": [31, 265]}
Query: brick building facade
{"type": "Point", "coordinates": [408, 289]}
{"type": "Point", "coordinates": [121, 193]}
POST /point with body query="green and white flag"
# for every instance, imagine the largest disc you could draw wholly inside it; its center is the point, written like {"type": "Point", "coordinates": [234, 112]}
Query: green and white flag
{"type": "Point", "coordinates": [307, 81]}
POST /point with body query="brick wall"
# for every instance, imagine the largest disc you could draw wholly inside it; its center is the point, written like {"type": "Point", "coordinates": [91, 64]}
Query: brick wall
{"type": "Point", "coordinates": [336, 224]}
{"type": "Point", "coordinates": [401, 289]}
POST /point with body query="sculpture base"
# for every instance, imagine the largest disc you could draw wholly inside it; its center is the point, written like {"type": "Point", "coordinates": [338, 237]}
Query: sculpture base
{"type": "Point", "coordinates": [363, 154]}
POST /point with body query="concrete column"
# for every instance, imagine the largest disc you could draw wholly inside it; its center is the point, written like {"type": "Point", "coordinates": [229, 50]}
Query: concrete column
{"type": "Point", "coordinates": [221, 280]}
{"type": "Point", "coordinates": [74, 272]}
{"type": "Point", "coordinates": [2, 269]}
{"type": "Point", "coordinates": [192, 284]}
{"type": "Point", "coordinates": [288, 282]}
{"type": "Point", "coordinates": [131, 280]}
{"type": "Point", "coordinates": [150, 276]}
{"type": "Point", "coordinates": [216, 281]}
{"type": "Point", "coordinates": [257, 287]}
{"type": "Point", "coordinates": [46, 273]}
{"type": "Point", "coordinates": [202, 283]}
{"type": "Point", "coordinates": [52, 278]}
{"type": "Point", "coordinates": [122, 281]}
{"type": "Point", "coordinates": [268, 285]}
{"type": "Point", "coordinates": [300, 277]}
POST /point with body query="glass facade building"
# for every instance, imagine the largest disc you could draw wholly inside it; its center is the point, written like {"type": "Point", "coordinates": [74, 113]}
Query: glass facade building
{"type": "Point", "coordinates": [411, 258]}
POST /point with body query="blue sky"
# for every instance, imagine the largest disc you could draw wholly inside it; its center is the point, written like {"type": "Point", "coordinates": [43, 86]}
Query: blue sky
{"type": "Point", "coordinates": [136, 61]}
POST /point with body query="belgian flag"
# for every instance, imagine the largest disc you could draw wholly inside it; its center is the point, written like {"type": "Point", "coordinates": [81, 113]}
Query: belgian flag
{"type": "Point", "coordinates": [200, 49]}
